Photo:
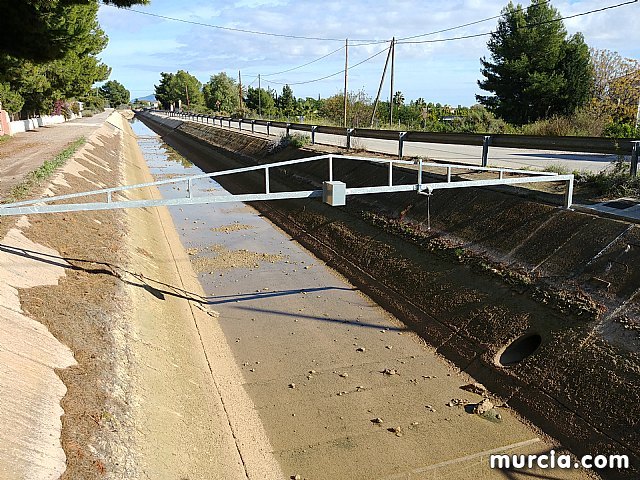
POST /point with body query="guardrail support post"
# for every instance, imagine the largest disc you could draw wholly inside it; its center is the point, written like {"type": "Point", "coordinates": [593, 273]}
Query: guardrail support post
{"type": "Point", "coordinates": [287, 129]}
{"type": "Point", "coordinates": [313, 134]}
{"type": "Point", "coordinates": [449, 174]}
{"type": "Point", "coordinates": [419, 174]}
{"type": "Point", "coordinates": [229, 123]}
{"type": "Point", "coordinates": [331, 168]}
{"type": "Point", "coordinates": [268, 128]}
{"type": "Point", "coordinates": [240, 124]}
{"type": "Point", "coordinates": [266, 180]}
{"type": "Point", "coordinates": [401, 143]}
{"type": "Point", "coordinates": [486, 141]}
{"type": "Point", "coordinates": [253, 126]}
{"type": "Point", "coordinates": [568, 193]}
{"type": "Point", "coordinates": [189, 187]}
{"type": "Point", "coordinates": [391, 174]}
{"type": "Point", "coordinates": [634, 157]}
{"type": "Point", "coordinates": [349, 132]}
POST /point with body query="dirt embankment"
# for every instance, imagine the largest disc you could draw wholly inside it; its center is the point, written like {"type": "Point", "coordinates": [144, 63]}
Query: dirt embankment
{"type": "Point", "coordinates": [494, 267]}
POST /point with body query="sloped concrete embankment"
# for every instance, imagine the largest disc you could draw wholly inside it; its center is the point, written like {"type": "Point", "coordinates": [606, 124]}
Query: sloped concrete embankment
{"type": "Point", "coordinates": [493, 268]}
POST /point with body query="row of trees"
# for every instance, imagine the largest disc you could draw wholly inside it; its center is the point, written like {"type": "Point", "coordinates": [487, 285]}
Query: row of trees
{"type": "Point", "coordinates": [49, 54]}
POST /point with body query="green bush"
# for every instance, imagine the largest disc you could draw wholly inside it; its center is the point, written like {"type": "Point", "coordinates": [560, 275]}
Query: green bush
{"type": "Point", "coordinates": [622, 130]}
{"type": "Point", "coordinates": [615, 181]}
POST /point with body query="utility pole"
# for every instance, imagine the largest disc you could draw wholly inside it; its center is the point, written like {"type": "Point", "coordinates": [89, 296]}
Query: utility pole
{"type": "Point", "coordinates": [346, 76]}
{"type": "Point", "coordinates": [393, 56]}
{"type": "Point", "coordinates": [240, 88]}
{"type": "Point", "coordinates": [186, 89]}
{"type": "Point", "coordinates": [638, 114]}
{"type": "Point", "coordinates": [384, 73]}
{"type": "Point", "coordinates": [259, 98]}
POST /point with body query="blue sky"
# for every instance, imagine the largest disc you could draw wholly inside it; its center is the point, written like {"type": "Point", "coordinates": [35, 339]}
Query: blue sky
{"type": "Point", "coordinates": [142, 46]}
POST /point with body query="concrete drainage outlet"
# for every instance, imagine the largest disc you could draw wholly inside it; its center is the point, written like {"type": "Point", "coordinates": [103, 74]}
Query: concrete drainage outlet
{"type": "Point", "coordinates": [519, 349]}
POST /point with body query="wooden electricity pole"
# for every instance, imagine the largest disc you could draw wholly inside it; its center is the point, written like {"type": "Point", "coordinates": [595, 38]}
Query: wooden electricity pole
{"type": "Point", "coordinates": [186, 89]}
{"type": "Point", "coordinates": [384, 73]}
{"type": "Point", "coordinates": [259, 98]}
{"type": "Point", "coordinates": [346, 76]}
{"type": "Point", "coordinates": [240, 88]}
{"type": "Point", "coordinates": [393, 56]}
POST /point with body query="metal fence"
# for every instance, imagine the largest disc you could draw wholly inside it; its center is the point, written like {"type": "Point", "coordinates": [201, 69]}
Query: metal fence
{"type": "Point", "coordinates": [615, 146]}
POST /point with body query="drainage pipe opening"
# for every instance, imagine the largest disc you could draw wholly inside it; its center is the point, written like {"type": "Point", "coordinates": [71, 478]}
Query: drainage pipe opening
{"type": "Point", "coordinates": [520, 349]}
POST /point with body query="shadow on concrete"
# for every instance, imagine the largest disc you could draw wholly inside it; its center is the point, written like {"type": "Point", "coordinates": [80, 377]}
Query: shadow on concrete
{"type": "Point", "coordinates": [355, 323]}
{"type": "Point", "coordinates": [154, 287]}
{"type": "Point", "coordinates": [243, 297]}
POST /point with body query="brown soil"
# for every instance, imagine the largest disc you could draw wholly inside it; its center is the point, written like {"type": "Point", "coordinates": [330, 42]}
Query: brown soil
{"type": "Point", "coordinates": [233, 227]}
{"type": "Point", "coordinates": [225, 259]}
{"type": "Point", "coordinates": [504, 267]}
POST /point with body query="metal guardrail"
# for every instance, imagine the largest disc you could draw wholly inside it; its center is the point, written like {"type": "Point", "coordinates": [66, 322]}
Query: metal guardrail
{"type": "Point", "coordinates": [49, 205]}
{"type": "Point", "coordinates": [612, 146]}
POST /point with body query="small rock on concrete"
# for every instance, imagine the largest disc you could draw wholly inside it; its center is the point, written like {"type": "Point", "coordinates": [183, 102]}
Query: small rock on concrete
{"type": "Point", "coordinates": [483, 407]}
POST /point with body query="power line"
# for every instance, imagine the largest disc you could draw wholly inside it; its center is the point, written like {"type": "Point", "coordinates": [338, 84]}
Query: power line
{"type": "Point", "coordinates": [466, 24]}
{"type": "Point", "coordinates": [328, 76]}
{"type": "Point", "coordinates": [438, 40]}
{"type": "Point", "coordinates": [241, 30]}
{"type": "Point", "coordinates": [305, 64]}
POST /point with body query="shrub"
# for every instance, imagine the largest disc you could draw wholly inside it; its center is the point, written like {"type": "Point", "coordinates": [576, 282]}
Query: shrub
{"type": "Point", "coordinates": [622, 130]}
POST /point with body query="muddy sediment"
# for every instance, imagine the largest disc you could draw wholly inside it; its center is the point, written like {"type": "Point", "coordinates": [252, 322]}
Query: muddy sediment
{"type": "Point", "coordinates": [493, 268]}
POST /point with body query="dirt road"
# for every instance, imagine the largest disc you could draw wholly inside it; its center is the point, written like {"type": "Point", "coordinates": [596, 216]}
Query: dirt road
{"type": "Point", "coordinates": [27, 151]}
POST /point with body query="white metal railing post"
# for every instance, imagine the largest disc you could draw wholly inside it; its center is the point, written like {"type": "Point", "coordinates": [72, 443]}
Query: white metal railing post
{"type": "Point", "coordinates": [449, 174]}
{"type": "Point", "coordinates": [288, 127]}
{"type": "Point", "coordinates": [266, 180]}
{"type": "Point", "coordinates": [331, 168]}
{"type": "Point", "coordinates": [486, 141]}
{"type": "Point", "coordinates": [108, 197]}
{"type": "Point", "coordinates": [419, 174]}
{"type": "Point", "coordinates": [253, 126]}
{"type": "Point", "coordinates": [501, 174]}
{"type": "Point", "coordinates": [568, 193]}
{"type": "Point", "coordinates": [391, 173]}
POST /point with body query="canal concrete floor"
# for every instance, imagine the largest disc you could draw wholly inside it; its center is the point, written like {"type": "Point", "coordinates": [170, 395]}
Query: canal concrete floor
{"type": "Point", "coordinates": [342, 388]}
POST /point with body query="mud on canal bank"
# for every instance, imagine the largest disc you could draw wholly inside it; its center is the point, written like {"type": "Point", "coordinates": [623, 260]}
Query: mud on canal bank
{"type": "Point", "coordinates": [494, 267]}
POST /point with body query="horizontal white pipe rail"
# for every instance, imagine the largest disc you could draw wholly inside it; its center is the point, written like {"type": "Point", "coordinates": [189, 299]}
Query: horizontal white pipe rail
{"type": "Point", "coordinates": [44, 205]}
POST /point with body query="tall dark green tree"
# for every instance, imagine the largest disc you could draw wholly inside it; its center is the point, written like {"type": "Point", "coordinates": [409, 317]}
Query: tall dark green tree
{"type": "Point", "coordinates": [222, 93]}
{"type": "Point", "coordinates": [115, 93]}
{"type": "Point", "coordinates": [40, 84]}
{"type": "Point", "coordinates": [286, 102]}
{"type": "Point", "coordinates": [260, 99]}
{"type": "Point", "coordinates": [179, 86]}
{"type": "Point", "coordinates": [535, 70]}
{"type": "Point", "coordinates": [45, 30]}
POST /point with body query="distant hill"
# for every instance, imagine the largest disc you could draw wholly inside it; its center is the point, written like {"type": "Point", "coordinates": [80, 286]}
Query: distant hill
{"type": "Point", "coordinates": [148, 98]}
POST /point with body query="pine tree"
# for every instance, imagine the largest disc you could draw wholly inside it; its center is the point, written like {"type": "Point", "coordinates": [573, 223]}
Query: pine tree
{"type": "Point", "coordinates": [535, 70]}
